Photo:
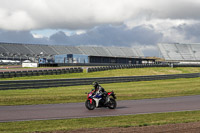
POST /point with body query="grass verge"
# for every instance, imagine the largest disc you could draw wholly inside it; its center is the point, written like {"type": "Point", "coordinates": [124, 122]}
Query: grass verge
{"type": "Point", "coordinates": [116, 73]}
{"type": "Point", "coordinates": [124, 91]}
{"type": "Point", "coordinates": [100, 122]}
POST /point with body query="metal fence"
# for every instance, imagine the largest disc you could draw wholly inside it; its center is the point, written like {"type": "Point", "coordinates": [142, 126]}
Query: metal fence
{"type": "Point", "coordinates": [39, 72]}
{"type": "Point", "coordinates": [32, 84]}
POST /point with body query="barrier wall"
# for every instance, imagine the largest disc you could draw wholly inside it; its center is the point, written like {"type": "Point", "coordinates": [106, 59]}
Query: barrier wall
{"type": "Point", "coordinates": [34, 84]}
{"type": "Point", "coordinates": [80, 70]}
{"type": "Point", "coordinates": [96, 69]}
{"type": "Point", "coordinates": [40, 72]}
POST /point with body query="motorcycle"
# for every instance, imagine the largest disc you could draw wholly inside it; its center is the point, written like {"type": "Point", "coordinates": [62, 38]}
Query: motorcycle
{"type": "Point", "coordinates": [97, 101]}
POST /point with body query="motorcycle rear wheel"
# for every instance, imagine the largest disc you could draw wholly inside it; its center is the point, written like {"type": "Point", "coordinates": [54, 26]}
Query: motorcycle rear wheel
{"type": "Point", "coordinates": [90, 106]}
{"type": "Point", "coordinates": [113, 104]}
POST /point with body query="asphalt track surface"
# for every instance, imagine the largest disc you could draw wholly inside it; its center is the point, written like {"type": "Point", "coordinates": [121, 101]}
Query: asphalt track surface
{"type": "Point", "coordinates": [78, 110]}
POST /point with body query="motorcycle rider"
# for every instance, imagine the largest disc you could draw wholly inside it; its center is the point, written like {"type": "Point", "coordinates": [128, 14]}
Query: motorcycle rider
{"type": "Point", "coordinates": [100, 91]}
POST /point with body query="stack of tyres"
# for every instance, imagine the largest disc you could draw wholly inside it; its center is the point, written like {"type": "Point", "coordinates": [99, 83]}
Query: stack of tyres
{"type": "Point", "coordinates": [29, 73]}
{"type": "Point", "coordinates": [58, 71]}
{"type": "Point", "coordinates": [6, 75]}
{"type": "Point", "coordinates": [54, 72]}
{"type": "Point", "coordinates": [12, 74]}
{"type": "Point", "coordinates": [24, 73]}
{"type": "Point", "coordinates": [40, 72]}
{"type": "Point", "coordinates": [45, 72]}
{"type": "Point", "coordinates": [50, 72]}
{"type": "Point", "coordinates": [71, 70]}
{"type": "Point", "coordinates": [18, 74]}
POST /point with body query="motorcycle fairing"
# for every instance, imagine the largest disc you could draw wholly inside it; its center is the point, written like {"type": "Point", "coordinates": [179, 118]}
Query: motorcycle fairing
{"type": "Point", "coordinates": [97, 101]}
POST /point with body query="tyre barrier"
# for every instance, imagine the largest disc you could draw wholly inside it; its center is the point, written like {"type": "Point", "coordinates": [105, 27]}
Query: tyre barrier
{"type": "Point", "coordinates": [40, 72]}
{"type": "Point", "coordinates": [96, 69]}
{"type": "Point", "coordinates": [35, 84]}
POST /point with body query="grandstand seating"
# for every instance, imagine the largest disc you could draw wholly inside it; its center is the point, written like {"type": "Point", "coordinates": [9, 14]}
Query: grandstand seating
{"type": "Point", "coordinates": [102, 51]}
{"type": "Point", "coordinates": [176, 51]}
{"type": "Point", "coordinates": [37, 50]}
{"type": "Point", "coordinates": [196, 51]}
{"type": "Point", "coordinates": [47, 49]}
{"type": "Point", "coordinates": [60, 49]}
{"type": "Point", "coordinates": [3, 50]}
{"type": "Point", "coordinates": [116, 52]}
{"type": "Point", "coordinates": [88, 50]}
{"type": "Point", "coordinates": [74, 50]}
{"type": "Point", "coordinates": [24, 50]}
{"type": "Point", "coordinates": [129, 52]}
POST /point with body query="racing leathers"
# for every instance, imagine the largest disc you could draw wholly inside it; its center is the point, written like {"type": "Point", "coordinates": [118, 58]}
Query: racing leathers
{"type": "Point", "coordinates": [100, 92]}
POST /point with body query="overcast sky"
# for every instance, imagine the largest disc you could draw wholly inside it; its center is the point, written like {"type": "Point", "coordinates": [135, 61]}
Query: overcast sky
{"type": "Point", "coordinates": [124, 23]}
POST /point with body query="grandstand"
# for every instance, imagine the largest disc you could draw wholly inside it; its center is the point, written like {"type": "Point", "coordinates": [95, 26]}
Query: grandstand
{"type": "Point", "coordinates": [16, 51]}
{"type": "Point", "coordinates": [180, 52]}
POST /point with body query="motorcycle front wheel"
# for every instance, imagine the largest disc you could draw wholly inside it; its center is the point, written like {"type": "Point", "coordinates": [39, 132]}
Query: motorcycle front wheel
{"type": "Point", "coordinates": [89, 105]}
{"type": "Point", "coordinates": [112, 104]}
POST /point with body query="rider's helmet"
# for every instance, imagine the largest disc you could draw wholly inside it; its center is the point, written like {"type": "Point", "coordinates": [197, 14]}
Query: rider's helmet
{"type": "Point", "coordinates": [95, 84]}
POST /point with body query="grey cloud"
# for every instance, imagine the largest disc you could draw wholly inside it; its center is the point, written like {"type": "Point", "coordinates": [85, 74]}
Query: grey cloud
{"type": "Point", "coordinates": [20, 37]}
{"type": "Point", "coordinates": [108, 35]}
{"type": "Point", "coordinates": [144, 36]}
{"type": "Point", "coordinates": [85, 14]}
{"type": "Point", "coordinates": [181, 10]}
{"type": "Point", "coordinates": [68, 14]}
{"type": "Point", "coordinates": [105, 35]}
{"type": "Point", "coordinates": [191, 32]}
{"type": "Point", "coordinates": [59, 38]}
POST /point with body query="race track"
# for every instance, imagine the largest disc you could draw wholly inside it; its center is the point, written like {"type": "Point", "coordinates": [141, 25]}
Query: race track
{"type": "Point", "coordinates": [78, 110]}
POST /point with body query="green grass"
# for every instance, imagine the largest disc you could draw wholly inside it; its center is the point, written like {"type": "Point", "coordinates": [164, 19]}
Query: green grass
{"type": "Point", "coordinates": [100, 122]}
{"type": "Point", "coordinates": [124, 91]}
{"type": "Point", "coordinates": [117, 72]}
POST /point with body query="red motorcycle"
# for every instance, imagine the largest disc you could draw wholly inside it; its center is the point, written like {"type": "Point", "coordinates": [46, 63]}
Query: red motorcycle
{"type": "Point", "coordinates": [96, 101]}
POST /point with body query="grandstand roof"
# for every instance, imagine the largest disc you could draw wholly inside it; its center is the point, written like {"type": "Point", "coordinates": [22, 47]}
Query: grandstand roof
{"type": "Point", "coordinates": [48, 50]}
{"type": "Point", "coordinates": [180, 51]}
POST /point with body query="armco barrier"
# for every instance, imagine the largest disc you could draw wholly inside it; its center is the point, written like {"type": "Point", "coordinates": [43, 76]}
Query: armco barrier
{"type": "Point", "coordinates": [31, 84]}
{"type": "Point", "coordinates": [39, 72]}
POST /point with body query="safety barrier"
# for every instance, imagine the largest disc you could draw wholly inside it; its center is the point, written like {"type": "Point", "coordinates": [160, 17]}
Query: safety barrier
{"type": "Point", "coordinates": [96, 69]}
{"type": "Point", "coordinates": [31, 84]}
{"type": "Point", "coordinates": [40, 72]}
